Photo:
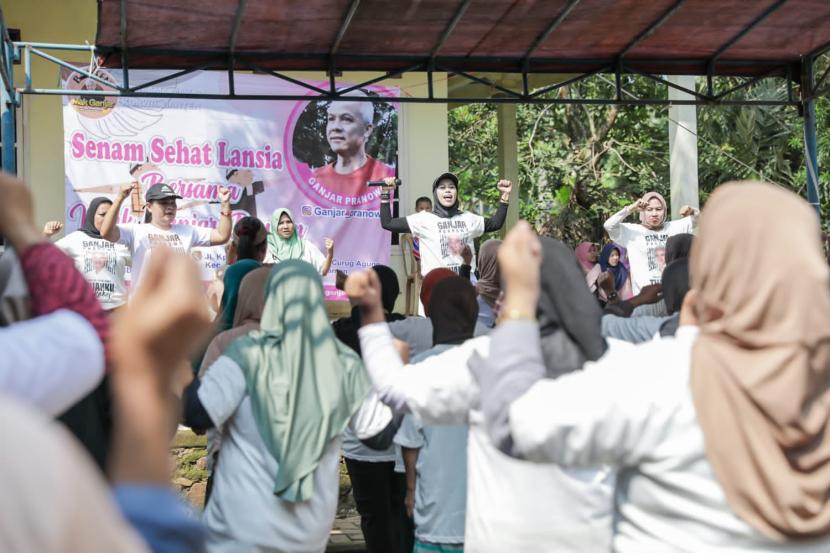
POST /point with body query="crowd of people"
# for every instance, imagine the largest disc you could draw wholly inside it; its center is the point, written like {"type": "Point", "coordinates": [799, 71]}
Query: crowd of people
{"type": "Point", "coordinates": [667, 390]}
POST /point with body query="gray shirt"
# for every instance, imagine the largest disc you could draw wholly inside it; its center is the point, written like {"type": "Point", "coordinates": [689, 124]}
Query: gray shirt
{"type": "Point", "coordinates": [441, 488]}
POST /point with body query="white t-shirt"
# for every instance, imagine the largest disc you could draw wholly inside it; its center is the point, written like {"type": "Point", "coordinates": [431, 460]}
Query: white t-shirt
{"type": "Point", "coordinates": [311, 254]}
{"type": "Point", "coordinates": [441, 240]}
{"type": "Point", "coordinates": [102, 263]}
{"type": "Point", "coordinates": [512, 505]}
{"type": "Point", "coordinates": [141, 239]}
{"type": "Point", "coordinates": [646, 248]}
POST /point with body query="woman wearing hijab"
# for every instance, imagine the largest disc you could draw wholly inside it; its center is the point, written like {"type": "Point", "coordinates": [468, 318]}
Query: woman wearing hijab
{"type": "Point", "coordinates": [101, 262]}
{"type": "Point", "coordinates": [378, 490]}
{"type": "Point", "coordinates": [284, 243]}
{"type": "Point", "coordinates": [435, 457]}
{"type": "Point", "coordinates": [723, 445]}
{"type": "Point", "coordinates": [443, 232]}
{"type": "Point", "coordinates": [587, 253]}
{"type": "Point", "coordinates": [610, 261]}
{"type": "Point", "coordinates": [678, 246]}
{"type": "Point", "coordinates": [103, 265]}
{"type": "Point", "coordinates": [505, 511]}
{"type": "Point", "coordinates": [284, 394]}
{"type": "Point", "coordinates": [247, 313]}
{"type": "Point", "coordinates": [417, 331]}
{"type": "Point", "coordinates": [245, 254]}
{"type": "Point", "coordinates": [646, 241]}
{"type": "Point", "coordinates": [488, 286]}
{"type": "Point", "coordinates": [675, 287]}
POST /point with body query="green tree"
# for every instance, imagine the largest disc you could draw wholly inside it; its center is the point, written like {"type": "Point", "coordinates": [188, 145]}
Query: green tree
{"type": "Point", "coordinates": [579, 164]}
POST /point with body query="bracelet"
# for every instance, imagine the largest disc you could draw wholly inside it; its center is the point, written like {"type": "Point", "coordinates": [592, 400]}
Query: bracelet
{"type": "Point", "coordinates": [516, 315]}
{"type": "Point", "coordinates": [225, 213]}
{"type": "Point", "coordinates": [385, 196]}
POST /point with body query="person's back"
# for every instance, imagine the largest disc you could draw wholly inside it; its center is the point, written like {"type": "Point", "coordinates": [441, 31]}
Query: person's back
{"type": "Point", "coordinates": [243, 506]}
{"type": "Point", "coordinates": [441, 489]}
{"type": "Point", "coordinates": [667, 496]}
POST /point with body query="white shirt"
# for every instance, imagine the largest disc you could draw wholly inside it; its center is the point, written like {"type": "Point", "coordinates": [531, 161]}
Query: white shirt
{"type": "Point", "coordinates": [141, 239]}
{"type": "Point", "coordinates": [102, 263]}
{"type": "Point", "coordinates": [311, 254]}
{"type": "Point", "coordinates": [646, 248]}
{"type": "Point", "coordinates": [51, 361]}
{"type": "Point", "coordinates": [634, 408]}
{"type": "Point", "coordinates": [243, 506]}
{"type": "Point", "coordinates": [441, 240]}
{"type": "Point", "coordinates": [505, 511]}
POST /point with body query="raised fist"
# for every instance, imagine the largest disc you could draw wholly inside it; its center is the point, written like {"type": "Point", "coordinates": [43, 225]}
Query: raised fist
{"type": "Point", "coordinates": [687, 210]}
{"type": "Point", "coordinates": [224, 195]}
{"type": "Point", "coordinates": [51, 228]}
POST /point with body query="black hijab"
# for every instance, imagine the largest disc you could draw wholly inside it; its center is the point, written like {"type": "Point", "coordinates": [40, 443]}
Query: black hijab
{"type": "Point", "coordinates": [453, 310]}
{"type": "Point", "coordinates": [346, 328]}
{"type": "Point", "coordinates": [88, 227]}
{"type": "Point", "coordinates": [389, 286]}
{"type": "Point", "coordinates": [437, 208]}
{"type": "Point", "coordinates": [569, 316]}
{"type": "Point", "coordinates": [678, 247]}
{"type": "Point", "coordinates": [675, 284]}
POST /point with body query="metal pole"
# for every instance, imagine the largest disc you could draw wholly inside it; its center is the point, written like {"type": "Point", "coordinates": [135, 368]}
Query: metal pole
{"type": "Point", "coordinates": [7, 113]}
{"type": "Point", "coordinates": [810, 149]}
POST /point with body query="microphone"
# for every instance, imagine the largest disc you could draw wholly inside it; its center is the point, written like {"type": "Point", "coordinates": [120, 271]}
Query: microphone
{"type": "Point", "coordinates": [381, 183]}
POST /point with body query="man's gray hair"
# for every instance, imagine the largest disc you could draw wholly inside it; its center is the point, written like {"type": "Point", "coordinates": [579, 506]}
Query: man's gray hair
{"type": "Point", "coordinates": [367, 109]}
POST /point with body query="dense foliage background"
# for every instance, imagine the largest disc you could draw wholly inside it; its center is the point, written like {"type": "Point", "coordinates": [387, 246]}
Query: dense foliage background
{"type": "Point", "coordinates": [579, 164]}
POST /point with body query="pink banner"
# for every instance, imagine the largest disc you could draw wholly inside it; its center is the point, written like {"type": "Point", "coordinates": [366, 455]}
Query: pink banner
{"type": "Point", "coordinates": [313, 157]}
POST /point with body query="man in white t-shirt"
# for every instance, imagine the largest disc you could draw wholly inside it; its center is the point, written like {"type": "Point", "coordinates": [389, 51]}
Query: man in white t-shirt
{"type": "Point", "coordinates": [140, 239]}
{"type": "Point", "coordinates": [646, 242]}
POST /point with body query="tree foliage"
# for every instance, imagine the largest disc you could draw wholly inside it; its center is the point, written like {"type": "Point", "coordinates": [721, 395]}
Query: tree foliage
{"type": "Point", "coordinates": [579, 164]}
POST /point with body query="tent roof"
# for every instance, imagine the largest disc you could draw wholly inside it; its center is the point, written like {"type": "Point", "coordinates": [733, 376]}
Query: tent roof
{"type": "Point", "coordinates": [716, 37]}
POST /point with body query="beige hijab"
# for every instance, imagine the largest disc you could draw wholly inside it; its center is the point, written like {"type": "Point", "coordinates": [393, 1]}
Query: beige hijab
{"type": "Point", "coordinates": [54, 499]}
{"type": "Point", "coordinates": [249, 305]}
{"type": "Point", "coordinates": [761, 366]}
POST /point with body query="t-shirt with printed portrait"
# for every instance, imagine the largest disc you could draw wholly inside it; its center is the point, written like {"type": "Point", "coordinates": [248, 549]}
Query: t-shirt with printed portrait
{"type": "Point", "coordinates": [141, 239]}
{"type": "Point", "coordinates": [102, 263]}
{"type": "Point", "coordinates": [442, 239]}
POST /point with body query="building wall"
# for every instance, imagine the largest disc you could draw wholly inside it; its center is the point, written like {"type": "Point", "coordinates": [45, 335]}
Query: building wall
{"type": "Point", "coordinates": [423, 152]}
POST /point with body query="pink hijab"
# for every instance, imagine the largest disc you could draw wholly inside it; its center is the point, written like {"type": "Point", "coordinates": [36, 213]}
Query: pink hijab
{"type": "Point", "coordinates": [581, 252]}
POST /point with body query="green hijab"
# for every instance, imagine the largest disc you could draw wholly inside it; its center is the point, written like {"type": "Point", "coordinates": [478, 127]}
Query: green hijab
{"type": "Point", "coordinates": [232, 280]}
{"type": "Point", "coordinates": [304, 384]}
{"type": "Point", "coordinates": [284, 248]}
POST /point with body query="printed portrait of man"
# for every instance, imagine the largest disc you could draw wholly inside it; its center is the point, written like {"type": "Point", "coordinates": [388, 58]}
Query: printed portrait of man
{"type": "Point", "coordinates": [349, 125]}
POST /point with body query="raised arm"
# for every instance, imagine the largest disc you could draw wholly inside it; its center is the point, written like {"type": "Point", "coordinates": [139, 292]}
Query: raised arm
{"type": "Point", "coordinates": [496, 221]}
{"type": "Point", "coordinates": [690, 215]}
{"type": "Point", "coordinates": [614, 224]}
{"type": "Point", "coordinates": [439, 389]}
{"type": "Point", "coordinates": [393, 224]}
{"type": "Point", "coordinates": [51, 277]}
{"type": "Point", "coordinates": [324, 270]}
{"type": "Point", "coordinates": [222, 233]}
{"type": "Point", "coordinates": [148, 352]}
{"type": "Point", "coordinates": [109, 228]}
